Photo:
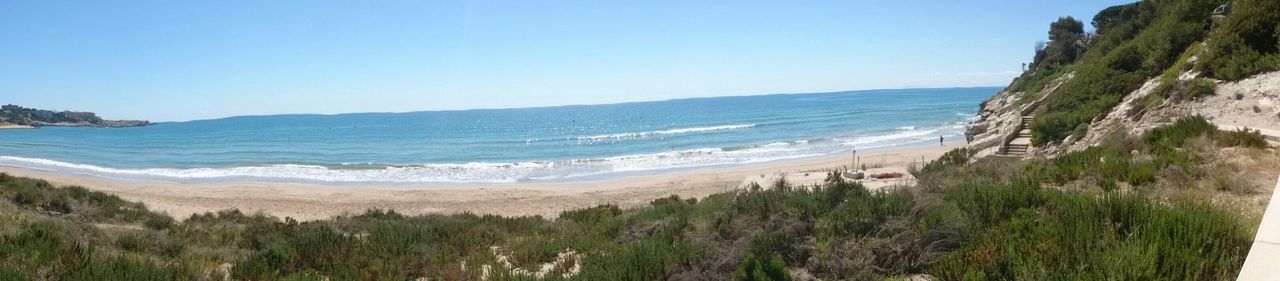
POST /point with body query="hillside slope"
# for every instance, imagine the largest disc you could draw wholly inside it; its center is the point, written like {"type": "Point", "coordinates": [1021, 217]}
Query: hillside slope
{"type": "Point", "coordinates": [1147, 64]}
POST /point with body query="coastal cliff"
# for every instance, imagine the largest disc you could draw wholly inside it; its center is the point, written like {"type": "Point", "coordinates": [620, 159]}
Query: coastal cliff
{"type": "Point", "coordinates": [13, 116]}
{"type": "Point", "coordinates": [1144, 65]}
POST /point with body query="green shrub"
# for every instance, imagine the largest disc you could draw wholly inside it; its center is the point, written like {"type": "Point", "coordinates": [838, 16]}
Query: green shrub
{"type": "Point", "coordinates": [956, 157]}
{"type": "Point", "coordinates": [1179, 132]}
{"type": "Point", "coordinates": [133, 242]}
{"type": "Point", "coordinates": [1115, 236]}
{"type": "Point", "coordinates": [1201, 87]}
{"type": "Point", "coordinates": [1242, 138]}
{"type": "Point", "coordinates": [37, 243]}
{"type": "Point", "coordinates": [1134, 43]}
{"type": "Point", "coordinates": [761, 268]}
{"type": "Point", "coordinates": [158, 222]}
{"type": "Point", "coordinates": [11, 274]}
{"type": "Point", "coordinates": [1174, 135]}
{"type": "Point", "coordinates": [123, 268]}
{"type": "Point", "coordinates": [1245, 42]}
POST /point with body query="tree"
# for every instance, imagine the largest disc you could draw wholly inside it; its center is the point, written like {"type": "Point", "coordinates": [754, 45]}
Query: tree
{"type": "Point", "coordinates": [1066, 42]}
{"type": "Point", "coordinates": [1113, 15]}
{"type": "Point", "coordinates": [1065, 28]}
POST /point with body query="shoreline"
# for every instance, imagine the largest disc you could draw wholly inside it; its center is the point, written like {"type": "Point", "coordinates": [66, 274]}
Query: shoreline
{"type": "Point", "coordinates": [305, 201]}
{"type": "Point", "coordinates": [99, 171]}
{"type": "Point", "coordinates": [15, 127]}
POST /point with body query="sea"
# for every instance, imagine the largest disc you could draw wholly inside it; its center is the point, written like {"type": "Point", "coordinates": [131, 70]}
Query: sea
{"type": "Point", "coordinates": [563, 143]}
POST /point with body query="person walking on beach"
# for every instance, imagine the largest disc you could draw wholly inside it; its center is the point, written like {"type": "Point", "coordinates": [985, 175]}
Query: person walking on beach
{"type": "Point", "coordinates": [940, 141]}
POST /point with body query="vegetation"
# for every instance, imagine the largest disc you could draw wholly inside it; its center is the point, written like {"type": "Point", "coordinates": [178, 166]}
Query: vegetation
{"type": "Point", "coordinates": [1247, 41]}
{"type": "Point", "coordinates": [1101, 213]}
{"type": "Point", "coordinates": [1139, 41]}
{"type": "Point", "coordinates": [1061, 218]}
{"type": "Point", "coordinates": [1067, 40]}
{"type": "Point", "coordinates": [1133, 43]}
{"type": "Point", "coordinates": [13, 114]}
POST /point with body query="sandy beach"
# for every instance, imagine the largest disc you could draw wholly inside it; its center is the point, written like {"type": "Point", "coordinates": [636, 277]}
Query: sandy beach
{"type": "Point", "coordinates": [312, 202]}
{"type": "Point", "coordinates": [14, 126]}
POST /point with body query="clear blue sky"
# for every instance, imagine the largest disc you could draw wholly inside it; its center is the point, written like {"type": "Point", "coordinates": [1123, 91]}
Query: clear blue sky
{"type": "Point", "coordinates": [184, 60]}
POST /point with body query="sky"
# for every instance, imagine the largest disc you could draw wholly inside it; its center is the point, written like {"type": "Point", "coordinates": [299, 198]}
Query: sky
{"type": "Point", "coordinates": [189, 60]}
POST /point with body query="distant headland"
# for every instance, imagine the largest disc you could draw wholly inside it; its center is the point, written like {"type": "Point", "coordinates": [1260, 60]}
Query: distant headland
{"type": "Point", "coordinates": [17, 117]}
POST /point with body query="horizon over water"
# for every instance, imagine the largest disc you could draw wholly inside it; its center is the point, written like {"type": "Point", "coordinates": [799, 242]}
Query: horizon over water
{"type": "Point", "coordinates": [502, 145]}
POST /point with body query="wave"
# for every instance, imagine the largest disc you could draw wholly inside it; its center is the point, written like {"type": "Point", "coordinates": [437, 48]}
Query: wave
{"type": "Point", "coordinates": [428, 173]}
{"type": "Point", "coordinates": [648, 134]}
{"type": "Point", "coordinates": [488, 172]}
{"type": "Point", "coordinates": [902, 135]}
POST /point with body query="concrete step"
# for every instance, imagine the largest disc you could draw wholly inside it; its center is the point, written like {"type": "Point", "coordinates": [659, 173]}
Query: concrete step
{"type": "Point", "coordinates": [1014, 149]}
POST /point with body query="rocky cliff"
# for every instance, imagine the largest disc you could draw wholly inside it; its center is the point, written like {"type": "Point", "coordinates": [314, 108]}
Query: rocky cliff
{"type": "Point", "coordinates": [1145, 64]}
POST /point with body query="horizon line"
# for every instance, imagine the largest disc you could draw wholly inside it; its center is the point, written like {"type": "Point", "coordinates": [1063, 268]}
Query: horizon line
{"type": "Point", "coordinates": [564, 105]}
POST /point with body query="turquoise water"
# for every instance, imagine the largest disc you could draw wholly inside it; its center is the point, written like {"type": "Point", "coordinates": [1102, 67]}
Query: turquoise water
{"type": "Point", "coordinates": [502, 145]}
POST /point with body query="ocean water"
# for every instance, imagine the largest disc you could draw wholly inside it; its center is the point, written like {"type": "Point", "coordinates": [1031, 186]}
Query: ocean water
{"type": "Point", "coordinates": [502, 145]}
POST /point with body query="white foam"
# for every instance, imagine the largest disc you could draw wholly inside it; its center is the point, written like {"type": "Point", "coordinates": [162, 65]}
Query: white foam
{"type": "Point", "coordinates": [641, 135]}
{"type": "Point", "coordinates": [905, 135]}
{"type": "Point", "coordinates": [481, 172]}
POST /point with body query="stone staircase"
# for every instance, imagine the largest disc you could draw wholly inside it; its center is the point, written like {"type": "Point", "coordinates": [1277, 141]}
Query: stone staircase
{"type": "Point", "coordinates": [1018, 144]}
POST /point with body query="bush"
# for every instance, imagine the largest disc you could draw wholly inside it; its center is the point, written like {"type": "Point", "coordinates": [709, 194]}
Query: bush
{"type": "Point", "coordinates": [592, 215]}
{"type": "Point", "coordinates": [123, 268]}
{"type": "Point", "coordinates": [133, 242]}
{"type": "Point", "coordinates": [1135, 42]}
{"type": "Point", "coordinates": [761, 268]}
{"type": "Point", "coordinates": [1242, 138]}
{"type": "Point", "coordinates": [1115, 236]}
{"type": "Point", "coordinates": [1201, 87]}
{"type": "Point", "coordinates": [1174, 135]}
{"type": "Point", "coordinates": [953, 158]}
{"type": "Point", "coordinates": [158, 222]}
{"type": "Point", "coordinates": [10, 274]}
{"type": "Point", "coordinates": [1246, 41]}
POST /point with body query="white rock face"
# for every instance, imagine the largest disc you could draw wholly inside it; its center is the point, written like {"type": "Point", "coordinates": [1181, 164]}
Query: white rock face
{"type": "Point", "coordinates": [1000, 116]}
{"type": "Point", "coordinates": [1251, 102]}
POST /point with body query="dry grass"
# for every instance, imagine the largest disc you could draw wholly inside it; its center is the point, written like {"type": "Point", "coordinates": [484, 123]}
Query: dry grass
{"type": "Point", "coordinates": [1245, 178]}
